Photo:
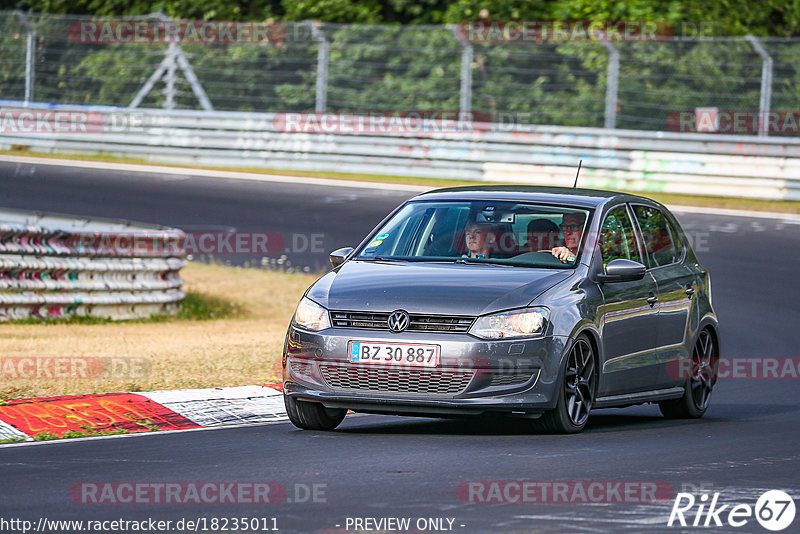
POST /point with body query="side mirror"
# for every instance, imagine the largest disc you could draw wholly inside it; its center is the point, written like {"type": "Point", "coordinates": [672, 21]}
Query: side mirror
{"type": "Point", "coordinates": [339, 256]}
{"type": "Point", "coordinates": [620, 270]}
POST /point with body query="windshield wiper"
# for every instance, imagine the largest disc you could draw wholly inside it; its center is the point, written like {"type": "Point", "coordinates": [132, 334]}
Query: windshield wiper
{"type": "Point", "coordinates": [393, 258]}
{"type": "Point", "coordinates": [412, 259]}
{"type": "Point", "coordinates": [481, 261]}
{"type": "Point", "coordinates": [376, 258]}
{"type": "Point", "coordinates": [506, 263]}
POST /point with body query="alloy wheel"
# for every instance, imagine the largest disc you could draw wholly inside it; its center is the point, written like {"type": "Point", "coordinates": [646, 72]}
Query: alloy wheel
{"type": "Point", "coordinates": [703, 370]}
{"type": "Point", "coordinates": [579, 382]}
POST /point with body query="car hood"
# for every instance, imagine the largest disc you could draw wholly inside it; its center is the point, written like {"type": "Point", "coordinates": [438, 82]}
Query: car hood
{"type": "Point", "coordinates": [432, 288]}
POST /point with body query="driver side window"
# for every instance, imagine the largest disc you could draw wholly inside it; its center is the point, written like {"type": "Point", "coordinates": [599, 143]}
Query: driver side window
{"type": "Point", "coordinates": [617, 240]}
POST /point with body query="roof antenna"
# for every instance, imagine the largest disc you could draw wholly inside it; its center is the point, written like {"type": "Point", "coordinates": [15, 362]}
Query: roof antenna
{"type": "Point", "coordinates": [577, 174]}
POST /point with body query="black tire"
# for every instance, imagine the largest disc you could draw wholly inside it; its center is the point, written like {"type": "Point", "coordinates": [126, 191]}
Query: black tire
{"type": "Point", "coordinates": [698, 388]}
{"type": "Point", "coordinates": [576, 392]}
{"type": "Point", "coordinates": [312, 415]}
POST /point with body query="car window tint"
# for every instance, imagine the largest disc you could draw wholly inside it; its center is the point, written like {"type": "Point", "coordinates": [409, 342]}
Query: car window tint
{"type": "Point", "coordinates": [447, 222]}
{"type": "Point", "coordinates": [503, 232]}
{"type": "Point", "coordinates": [617, 240]}
{"type": "Point", "coordinates": [676, 241]}
{"type": "Point", "coordinates": [657, 239]}
{"type": "Point", "coordinates": [536, 232]}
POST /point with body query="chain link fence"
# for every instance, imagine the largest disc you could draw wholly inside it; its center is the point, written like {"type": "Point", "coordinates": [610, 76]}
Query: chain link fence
{"type": "Point", "coordinates": [350, 68]}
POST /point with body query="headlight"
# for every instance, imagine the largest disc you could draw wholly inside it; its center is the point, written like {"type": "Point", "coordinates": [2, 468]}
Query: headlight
{"type": "Point", "coordinates": [530, 322]}
{"type": "Point", "coordinates": [311, 316]}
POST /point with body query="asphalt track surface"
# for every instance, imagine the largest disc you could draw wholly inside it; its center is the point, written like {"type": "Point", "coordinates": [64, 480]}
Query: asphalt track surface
{"type": "Point", "coordinates": [377, 466]}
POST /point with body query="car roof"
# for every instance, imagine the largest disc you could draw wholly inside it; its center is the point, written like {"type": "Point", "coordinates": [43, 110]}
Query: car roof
{"type": "Point", "coordinates": [589, 198]}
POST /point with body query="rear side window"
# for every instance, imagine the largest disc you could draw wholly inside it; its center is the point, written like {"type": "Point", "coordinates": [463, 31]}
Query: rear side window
{"type": "Point", "coordinates": [676, 240]}
{"type": "Point", "coordinates": [617, 240]}
{"type": "Point", "coordinates": [657, 238]}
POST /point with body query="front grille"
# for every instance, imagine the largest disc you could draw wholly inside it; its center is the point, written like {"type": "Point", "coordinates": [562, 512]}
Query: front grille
{"type": "Point", "coordinates": [510, 379]}
{"type": "Point", "coordinates": [374, 321]}
{"type": "Point", "coordinates": [417, 322]}
{"type": "Point", "coordinates": [386, 379]}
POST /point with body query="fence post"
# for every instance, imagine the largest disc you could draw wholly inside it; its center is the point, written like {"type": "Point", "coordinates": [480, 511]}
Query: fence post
{"type": "Point", "coordinates": [612, 85]}
{"type": "Point", "coordinates": [30, 53]}
{"type": "Point", "coordinates": [765, 100]}
{"type": "Point", "coordinates": [467, 56]}
{"type": "Point", "coordinates": [323, 53]}
{"type": "Point", "coordinates": [465, 102]}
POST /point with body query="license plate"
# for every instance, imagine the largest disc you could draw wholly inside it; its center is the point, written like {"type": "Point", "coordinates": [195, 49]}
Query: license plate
{"type": "Point", "coordinates": [409, 354]}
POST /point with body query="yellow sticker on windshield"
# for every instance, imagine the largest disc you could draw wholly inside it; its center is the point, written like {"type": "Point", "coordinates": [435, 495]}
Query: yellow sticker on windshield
{"type": "Point", "coordinates": [375, 243]}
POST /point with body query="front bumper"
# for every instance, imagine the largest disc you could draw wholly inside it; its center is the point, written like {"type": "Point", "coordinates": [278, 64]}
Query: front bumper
{"type": "Point", "coordinates": [475, 376]}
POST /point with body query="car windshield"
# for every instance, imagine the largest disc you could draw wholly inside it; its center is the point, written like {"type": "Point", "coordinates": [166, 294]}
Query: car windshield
{"type": "Point", "coordinates": [492, 232]}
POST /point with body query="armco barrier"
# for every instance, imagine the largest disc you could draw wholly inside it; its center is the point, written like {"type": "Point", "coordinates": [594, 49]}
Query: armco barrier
{"type": "Point", "coordinates": [702, 164]}
{"type": "Point", "coordinates": [57, 266]}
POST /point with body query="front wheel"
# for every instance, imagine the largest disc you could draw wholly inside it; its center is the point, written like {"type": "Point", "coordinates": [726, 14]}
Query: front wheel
{"type": "Point", "coordinates": [697, 393]}
{"type": "Point", "coordinates": [312, 415]}
{"type": "Point", "coordinates": [576, 393]}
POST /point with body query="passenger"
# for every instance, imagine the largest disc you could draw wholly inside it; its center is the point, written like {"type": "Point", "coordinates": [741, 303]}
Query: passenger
{"type": "Point", "coordinates": [480, 238]}
{"type": "Point", "coordinates": [541, 235]}
{"type": "Point", "coordinates": [572, 228]}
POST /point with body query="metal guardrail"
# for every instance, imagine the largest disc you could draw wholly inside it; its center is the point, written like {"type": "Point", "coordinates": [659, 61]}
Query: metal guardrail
{"type": "Point", "coordinates": [56, 266]}
{"type": "Point", "coordinates": [702, 164]}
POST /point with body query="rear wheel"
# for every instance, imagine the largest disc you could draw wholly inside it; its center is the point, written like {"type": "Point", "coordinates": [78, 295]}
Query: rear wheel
{"type": "Point", "coordinates": [576, 393]}
{"type": "Point", "coordinates": [312, 415]}
{"type": "Point", "coordinates": [697, 393]}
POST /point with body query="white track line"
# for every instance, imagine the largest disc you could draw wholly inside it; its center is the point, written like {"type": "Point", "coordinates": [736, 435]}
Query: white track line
{"type": "Point", "coordinates": [786, 217]}
{"type": "Point", "coordinates": [182, 171]}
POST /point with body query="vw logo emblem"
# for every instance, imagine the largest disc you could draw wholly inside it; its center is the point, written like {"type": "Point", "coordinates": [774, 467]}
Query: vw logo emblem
{"type": "Point", "coordinates": [398, 321]}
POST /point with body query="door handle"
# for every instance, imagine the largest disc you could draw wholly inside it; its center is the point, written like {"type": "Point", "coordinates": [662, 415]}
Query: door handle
{"type": "Point", "coordinates": [689, 291]}
{"type": "Point", "coordinates": [651, 300]}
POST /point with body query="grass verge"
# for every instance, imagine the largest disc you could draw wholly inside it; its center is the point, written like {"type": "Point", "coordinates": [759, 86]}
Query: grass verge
{"type": "Point", "coordinates": [229, 333]}
{"type": "Point", "coordinates": [781, 206]}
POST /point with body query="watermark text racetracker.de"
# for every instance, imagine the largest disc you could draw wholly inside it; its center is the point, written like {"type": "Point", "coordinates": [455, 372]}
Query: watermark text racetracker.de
{"type": "Point", "coordinates": [14, 121]}
{"type": "Point", "coordinates": [192, 492]}
{"type": "Point", "coordinates": [202, 243]}
{"type": "Point", "coordinates": [564, 492]}
{"type": "Point", "coordinates": [735, 121]}
{"type": "Point", "coordinates": [742, 368]}
{"type": "Point", "coordinates": [76, 121]}
{"type": "Point", "coordinates": [74, 367]}
{"type": "Point", "coordinates": [244, 524]}
{"type": "Point", "coordinates": [137, 31]}
{"type": "Point", "coordinates": [380, 122]}
{"type": "Point", "coordinates": [562, 31]}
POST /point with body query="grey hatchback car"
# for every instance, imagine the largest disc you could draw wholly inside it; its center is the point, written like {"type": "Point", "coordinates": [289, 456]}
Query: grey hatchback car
{"type": "Point", "coordinates": [533, 302]}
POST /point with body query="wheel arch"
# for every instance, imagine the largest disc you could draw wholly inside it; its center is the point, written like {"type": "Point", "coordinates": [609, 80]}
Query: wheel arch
{"type": "Point", "coordinates": [594, 341]}
{"type": "Point", "coordinates": [709, 322]}
{"type": "Point", "coordinates": [593, 335]}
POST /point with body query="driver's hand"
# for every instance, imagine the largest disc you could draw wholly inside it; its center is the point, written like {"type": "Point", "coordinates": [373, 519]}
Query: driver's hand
{"type": "Point", "coordinates": [562, 253]}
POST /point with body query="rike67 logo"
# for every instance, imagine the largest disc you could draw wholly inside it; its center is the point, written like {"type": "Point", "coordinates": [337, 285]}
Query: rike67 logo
{"type": "Point", "coordinates": [774, 510]}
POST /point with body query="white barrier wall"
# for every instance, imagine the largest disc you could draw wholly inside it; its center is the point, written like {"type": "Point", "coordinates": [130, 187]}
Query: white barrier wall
{"type": "Point", "coordinates": [55, 266]}
{"type": "Point", "coordinates": [702, 164]}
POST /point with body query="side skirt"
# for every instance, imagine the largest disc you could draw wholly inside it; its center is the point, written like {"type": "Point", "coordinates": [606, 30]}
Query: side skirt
{"type": "Point", "coordinates": [629, 399]}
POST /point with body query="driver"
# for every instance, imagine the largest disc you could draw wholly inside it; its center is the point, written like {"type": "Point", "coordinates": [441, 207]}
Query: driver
{"type": "Point", "coordinates": [541, 232]}
{"type": "Point", "coordinates": [572, 228]}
